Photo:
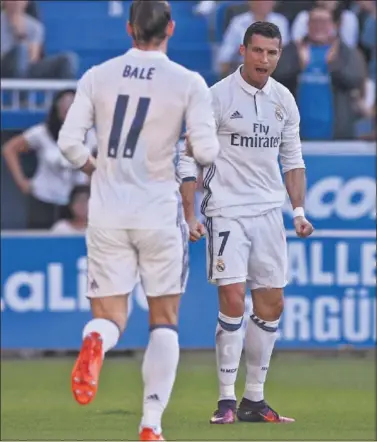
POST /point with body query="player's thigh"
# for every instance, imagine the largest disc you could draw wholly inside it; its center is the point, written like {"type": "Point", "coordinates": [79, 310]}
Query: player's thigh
{"type": "Point", "coordinates": [268, 261]}
{"type": "Point", "coordinates": [163, 259]}
{"type": "Point", "coordinates": [228, 249]}
{"type": "Point", "coordinates": [112, 262]}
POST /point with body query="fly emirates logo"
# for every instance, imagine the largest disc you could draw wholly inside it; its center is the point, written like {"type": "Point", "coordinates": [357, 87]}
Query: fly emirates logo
{"type": "Point", "coordinates": [262, 138]}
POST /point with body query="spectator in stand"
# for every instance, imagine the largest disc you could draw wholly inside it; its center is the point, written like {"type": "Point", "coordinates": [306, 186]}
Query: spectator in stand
{"type": "Point", "coordinates": [228, 56]}
{"type": "Point", "coordinates": [49, 189]}
{"type": "Point", "coordinates": [323, 72]}
{"type": "Point", "coordinates": [362, 9]}
{"type": "Point", "coordinates": [32, 9]}
{"type": "Point", "coordinates": [77, 220]}
{"type": "Point", "coordinates": [368, 37]}
{"type": "Point", "coordinates": [22, 44]}
{"type": "Point", "coordinates": [205, 7]}
{"type": "Point", "coordinates": [288, 8]}
{"type": "Point", "coordinates": [349, 25]}
{"type": "Point", "coordinates": [365, 127]}
{"type": "Point", "coordinates": [291, 8]}
{"type": "Point", "coordinates": [365, 11]}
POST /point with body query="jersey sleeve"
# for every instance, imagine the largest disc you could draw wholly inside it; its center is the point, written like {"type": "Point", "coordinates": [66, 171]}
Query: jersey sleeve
{"type": "Point", "coordinates": [33, 136]}
{"type": "Point", "coordinates": [216, 106]}
{"type": "Point", "coordinates": [291, 148]}
{"type": "Point", "coordinates": [188, 169]}
{"type": "Point", "coordinates": [200, 122]}
{"type": "Point", "coordinates": [79, 120]}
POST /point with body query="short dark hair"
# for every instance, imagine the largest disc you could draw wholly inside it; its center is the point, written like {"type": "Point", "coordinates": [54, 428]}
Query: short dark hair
{"type": "Point", "coordinates": [149, 20]}
{"type": "Point", "coordinates": [264, 28]}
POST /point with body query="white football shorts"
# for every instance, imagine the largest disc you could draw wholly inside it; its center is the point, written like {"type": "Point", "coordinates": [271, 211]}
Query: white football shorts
{"type": "Point", "coordinates": [250, 249]}
{"type": "Point", "coordinates": [118, 259]}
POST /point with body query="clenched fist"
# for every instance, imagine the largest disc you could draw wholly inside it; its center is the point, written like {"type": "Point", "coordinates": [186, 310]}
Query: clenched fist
{"type": "Point", "coordinates": [303, 227]}
{"type": "Point", "coordinates": [197, 230]}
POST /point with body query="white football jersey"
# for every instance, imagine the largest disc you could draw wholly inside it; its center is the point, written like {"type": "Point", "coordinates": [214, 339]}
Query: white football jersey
{"type": "Point", "coordinates": [254, 127]}
{"type": "Point", "coordinates": [138, 103]}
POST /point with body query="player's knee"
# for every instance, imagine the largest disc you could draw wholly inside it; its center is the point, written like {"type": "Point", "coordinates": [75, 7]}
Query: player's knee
{"type": "Point", "coordinates": [113, 308]}
{"type": "Point", "coordinates": [279, 306]}
{"type": "Point", "coordinates": [269, 305]}
{"type": "Point", "coordinates": [232, 300]}
{"type": "Point", "coordinates": [163, 310]}
{"type": "Point", "coordinates": [274, 310]}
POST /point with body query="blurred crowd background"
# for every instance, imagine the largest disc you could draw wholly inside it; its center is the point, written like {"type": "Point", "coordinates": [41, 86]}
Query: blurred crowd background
{"type": "Point", "coordinates": [328, 62]}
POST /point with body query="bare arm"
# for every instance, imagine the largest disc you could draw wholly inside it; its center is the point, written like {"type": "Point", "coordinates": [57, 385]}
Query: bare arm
{"type": "Point", "coordinates": [36, 42]}
{"type": "Point", "coordinates": [188, 189]}
{"type": "Point", "coordinates": [11, 153]}
{"type": "Point", "coordinates": [188, 172]}
{"type": "Point", "coordinates": [35, 51]}
{"type": "Point", "coordinates": [294, 168]}
{"type": "Point", "coordinates": [295, 182]}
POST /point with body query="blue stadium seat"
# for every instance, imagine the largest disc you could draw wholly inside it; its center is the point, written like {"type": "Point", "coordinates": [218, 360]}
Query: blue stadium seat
{"type": "Point", "coordinates": [86, 28]}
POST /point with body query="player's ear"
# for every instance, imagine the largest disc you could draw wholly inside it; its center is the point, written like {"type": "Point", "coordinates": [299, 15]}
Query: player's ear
{"type": "Point", "coordinates": [170, 29]}
{"type": "Point", "coordinates": [242, 50]}
{"type": "Point", "coordinates": [280, 52]}
{"type": "Point", "coordinates": [129, 29]}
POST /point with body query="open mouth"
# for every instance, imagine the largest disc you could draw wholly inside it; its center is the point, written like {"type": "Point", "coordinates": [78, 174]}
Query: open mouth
{"type": "Point", "coordinates": [262, 70]}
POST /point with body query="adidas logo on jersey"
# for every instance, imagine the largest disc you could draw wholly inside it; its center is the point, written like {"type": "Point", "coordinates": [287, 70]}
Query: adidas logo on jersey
{"type": "Point", "coordinates": [235, 115]}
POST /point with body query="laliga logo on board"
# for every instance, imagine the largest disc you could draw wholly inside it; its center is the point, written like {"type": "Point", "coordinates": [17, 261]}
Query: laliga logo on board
{"type": "Point", "coordinates": [37, 291]}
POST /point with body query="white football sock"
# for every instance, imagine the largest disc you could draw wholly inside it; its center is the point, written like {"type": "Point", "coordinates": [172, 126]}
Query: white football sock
{"type": "Point", "coordinates": [259, 344]}
{"type": "Point", "coordinates": [229, 344]}
{"type": "Point", "coordinates": [159, 371]}
{"type": "Point", "coordinates": [108, 331]}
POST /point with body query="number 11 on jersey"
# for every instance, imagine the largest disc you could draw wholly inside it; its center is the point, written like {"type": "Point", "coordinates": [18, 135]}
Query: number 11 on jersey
{"type": "Point", "coordinates": [135, 129]}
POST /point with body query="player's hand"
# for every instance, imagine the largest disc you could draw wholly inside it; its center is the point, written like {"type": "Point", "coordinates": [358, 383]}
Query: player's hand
{"type": "Point", "coordinates": [25, 186]}
{"type": "Point", "coordinates": [197, 229]}
{"type": "Point", "coordinates": [303, 53]}
{"type": "Point", "coordinates": [303, 227]}
{"type": "Point", "coordinates": [333, 52]}
{"type": "Point", "coordinates": [89, 167]}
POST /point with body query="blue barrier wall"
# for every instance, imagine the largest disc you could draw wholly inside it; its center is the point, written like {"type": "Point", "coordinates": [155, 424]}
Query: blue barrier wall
{"type": "Point", "coordinates": [330, 302]}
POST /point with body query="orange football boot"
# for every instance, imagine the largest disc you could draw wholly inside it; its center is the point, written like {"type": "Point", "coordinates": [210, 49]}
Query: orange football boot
{"type": "Point", "coordinates": [149, 434]}
{"type": "Point", "coordinates": [86, 371]}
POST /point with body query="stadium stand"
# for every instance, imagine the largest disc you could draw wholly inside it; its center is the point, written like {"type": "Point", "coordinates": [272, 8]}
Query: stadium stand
{"type": "Point", "coordinates": [109, 38]}
{"type": "Point", "coordinates": [90, 30]}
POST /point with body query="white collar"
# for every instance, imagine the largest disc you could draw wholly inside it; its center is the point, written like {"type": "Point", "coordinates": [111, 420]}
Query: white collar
{"type": "Point", "coordinates": [248, 87]}
{"type": "Point", "coordinates": [146, 54]}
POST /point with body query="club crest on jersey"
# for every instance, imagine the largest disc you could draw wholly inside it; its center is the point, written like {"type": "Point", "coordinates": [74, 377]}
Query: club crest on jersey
{"type": "Point", "coordinates": [220, 265]}
{"type": "Point", "coordinates": [279, 114]}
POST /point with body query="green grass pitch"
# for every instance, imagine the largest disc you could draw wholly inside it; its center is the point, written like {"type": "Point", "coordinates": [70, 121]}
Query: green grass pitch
{"type": "Point", "coordinates": [331, 399]}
